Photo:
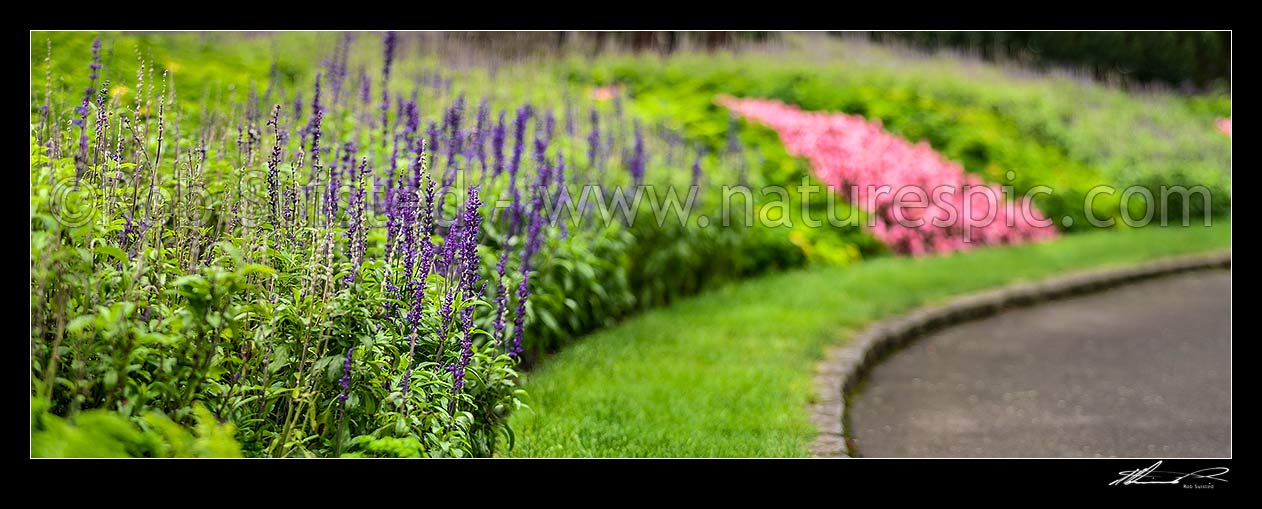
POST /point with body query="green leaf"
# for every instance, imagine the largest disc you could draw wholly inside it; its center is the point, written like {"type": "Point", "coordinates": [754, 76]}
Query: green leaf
{"type": "Point", "coordinates": [112, 251]}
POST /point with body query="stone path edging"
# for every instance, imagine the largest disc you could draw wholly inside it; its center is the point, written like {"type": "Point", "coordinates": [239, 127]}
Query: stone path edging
{"type": "Point", "coordinates": [843, 367]}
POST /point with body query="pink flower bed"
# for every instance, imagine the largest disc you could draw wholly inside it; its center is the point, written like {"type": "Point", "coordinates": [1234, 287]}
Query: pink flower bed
{"type": "Point", "coordinates": [1224, 125]}
{"type": "Point", "coordinates": [923, 208]}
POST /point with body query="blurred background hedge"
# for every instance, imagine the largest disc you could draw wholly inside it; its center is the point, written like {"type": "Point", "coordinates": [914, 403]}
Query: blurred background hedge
{"type": "Point", "coordinates": [1182, 59]}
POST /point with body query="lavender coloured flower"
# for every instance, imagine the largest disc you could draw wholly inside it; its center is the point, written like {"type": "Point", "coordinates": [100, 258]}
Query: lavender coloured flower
{"type": "Point", "coordinates": [317, 118]}
{"type": "Point", "coordinates": [519, 138]}
{"type": "Point", "coordinates": [562, 195]}
{"type": "Point", "coordinates": [273, 165]}
{"type": "Point", "coordinates": [365, 86]}
{"type": "Point", "coordinates": [298, 107]}
{"type": "Point", "coordinates": [336, 66]}
{"type": "Point", "coordinates": [519, 318]}
{"type": "Point", "coordinates": [101, 119]}
{"type": "Point", "coordinates": [519, 147]}
{"type": "Point", "coordinates": [96, 59]}
{"type": "Point", "coordinates": [356, 232]}
{"type": "Point", "coordinates": [389, 207]}
{"type": "Point", "coordinates": [470, 275]}
{"type": "Point", "coordinates": [452, 124]}
{"type": "Point", "coordinates": [391, 41]}
{"type": "Point", "coordinates": [479, 133]}
{"type": "Point", "coordinates": [445, 258]}
{"type": "Point", "coordinates": [413, 124]}
{"type": "Point", "coordinates": [534, 235]}
{"type": "Point", "coordinates": [501, 298]}
{"type": "Point", "coordinates": [470, 229]}
{"type": "Point", "coordinates": [405, 385]}
{"type": "Point", "coordinates": [549, 126]}
{"type": "Point", "coordinates": [497, 144]}
{"type": "Point", "coordinates": [593, 140]}
{"type": "Point", "coordinates": [541, 149]}
{"type": "Point", "coordinates": [637, 157]}
{"type": "Point", "coordinates": [345, 381]}
{"type": "Point", "coordinates": [534, 240]}
{"type": "Point", "coordinates": [82, 121]}
{"type": "Point", "coordinates": [432, 135]}
{"type": "Point", "coordinates": [426, 252]}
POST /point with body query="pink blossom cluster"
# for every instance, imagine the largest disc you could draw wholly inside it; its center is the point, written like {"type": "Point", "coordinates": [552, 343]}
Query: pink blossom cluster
{"type": "Point", "coordinates": [1224, 125]}
{"type": "Point", "coordinates": [930, 205]}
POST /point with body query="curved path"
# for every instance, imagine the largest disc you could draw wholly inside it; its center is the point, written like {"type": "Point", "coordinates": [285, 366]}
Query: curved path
{"type": "Point", "coordinates": [1143, 370]}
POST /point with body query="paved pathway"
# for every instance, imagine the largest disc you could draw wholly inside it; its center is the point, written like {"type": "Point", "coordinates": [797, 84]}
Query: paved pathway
{"type": "Point", "coordinates": [1139, 371]}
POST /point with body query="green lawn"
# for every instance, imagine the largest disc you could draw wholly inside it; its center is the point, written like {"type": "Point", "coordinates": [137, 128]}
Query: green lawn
{"type": "Point", "coordinates": [729, 373]}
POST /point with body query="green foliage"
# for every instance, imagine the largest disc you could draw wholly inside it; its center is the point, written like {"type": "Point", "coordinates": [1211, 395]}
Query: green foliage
{"type": "Point", "coordinates": [103, 434]}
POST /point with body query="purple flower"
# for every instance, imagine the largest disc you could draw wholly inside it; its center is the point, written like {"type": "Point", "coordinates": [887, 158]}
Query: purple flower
{"type": "Point", "coordinates": [470, 223]}
{"type": "Point", "coordinates": [337, 65]}
{"type": "Point", "coordinates": [549, 126]}
{"type": "Point", "coordinates": [273, 165]}
{"type": "Point", "coordinates": [452, 123]}
{"type": "Point", "coordinates": [413, 124]}
{"type": "Point", "coordinates": [405, 385]}
{"type": "Point", "coordinates": [519, 138]}
{"type": "Point", "coordinates": [356, 233]}
{"type": "Point", "coordinates": [479, 133]}
{"type": "Point", "coordinates": [82, 121]}
{"type": "Point", "coordinates": [497, 144]}
{"type": "Point", "coordinates": [519, 319]}
{"type": "Point", "coordinates": [637, 157]}
{"type": "Point", "coordinates": [346, 376]}
{"type": "Point", "coordinates": [534, 240]}
{"type": "Point", "coordinates": [426, 255]}
{"type": "Point", "coordinates": [562, 195]}
{"type": "Point", "coordinates": [501, 297]}
{"type": "Point", "coordinates": [432, 134]}
{"type": "Point", "coordinates": [523, 289]}
{"type": "Point", "coordinates": [96, 58]}
{"type": "Point", "coordinates": [391, 40]}
{"type": "Point", "coordinates": [298, 105]}
{"type": "Point", "coordinates": [470, 228]}
{"type": "Point", "coordinates": [365, 86]}
{"type": "Point", "coordinates": [541, 148]}
{"type": "Point", "coordinates": [316, 107]}
{"type": "Point", "coordinates": [593, 140]}
{"type": "Point", "coordinates": [519, 146]}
